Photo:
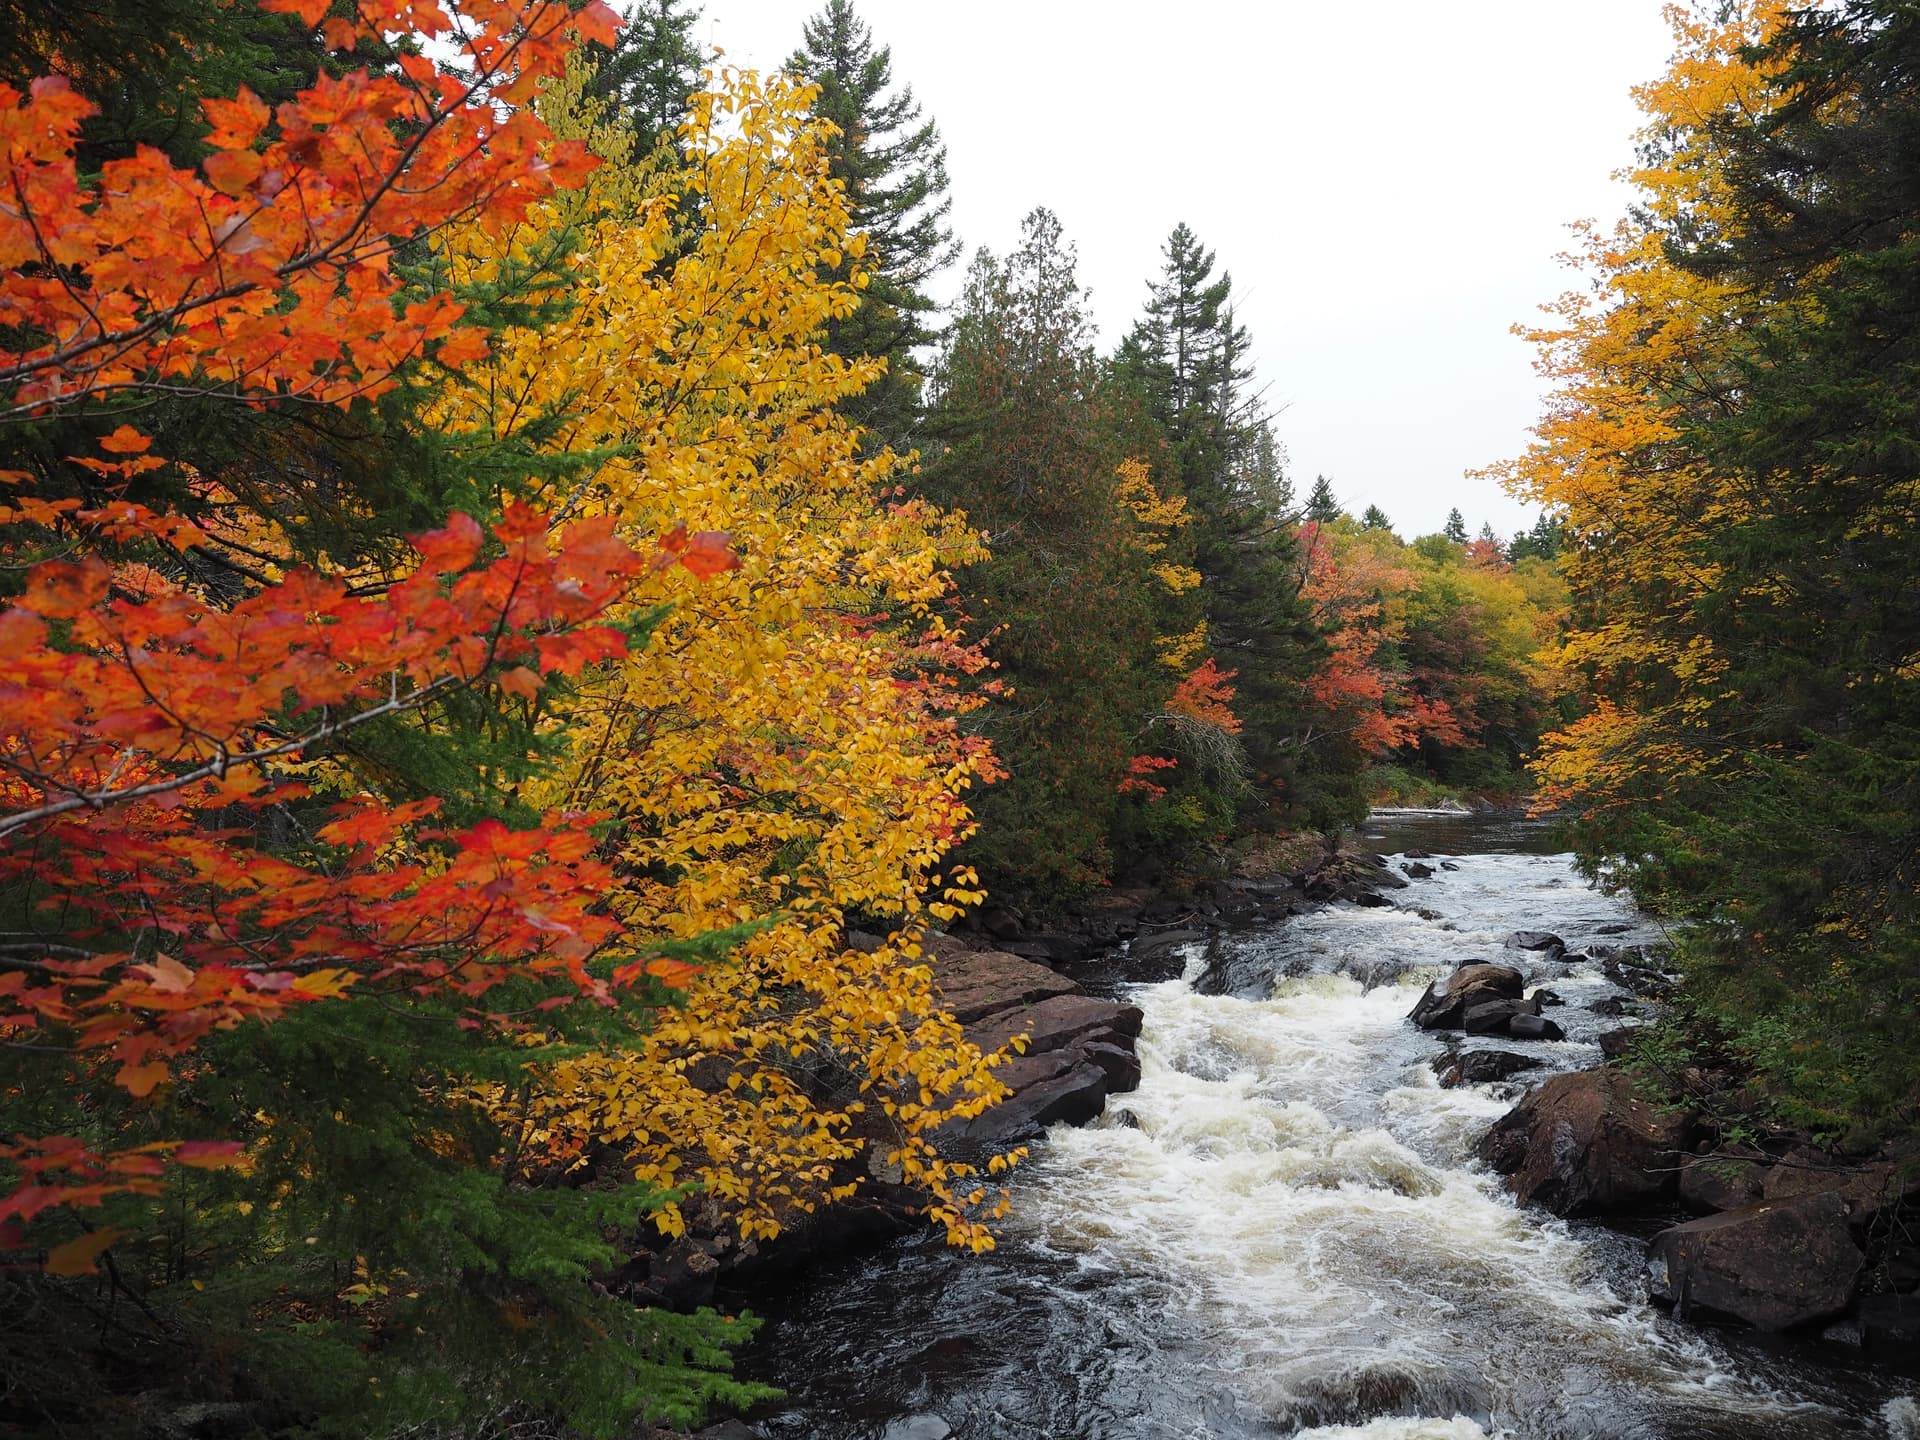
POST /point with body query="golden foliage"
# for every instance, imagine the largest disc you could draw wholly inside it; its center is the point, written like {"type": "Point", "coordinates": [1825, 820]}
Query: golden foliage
{"type": "Point", "coordinates": [785, 754]}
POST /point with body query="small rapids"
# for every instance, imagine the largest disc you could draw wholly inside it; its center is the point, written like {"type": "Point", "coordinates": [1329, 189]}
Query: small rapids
{"type": "Point", "coordinates": [1283, 1232]}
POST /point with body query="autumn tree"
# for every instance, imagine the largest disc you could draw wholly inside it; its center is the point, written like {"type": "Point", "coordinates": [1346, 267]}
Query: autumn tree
{"type": "Point", "coordinates": [894, 167]}
{"type": "Point", "coordinates": [1737, 497]}
{"type": "Point", "coordinates": [251, 983]}
{"type": "Point", "coordinates": [787, 755]}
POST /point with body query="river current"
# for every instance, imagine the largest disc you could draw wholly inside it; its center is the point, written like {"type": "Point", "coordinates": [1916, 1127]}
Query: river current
{"type": "Point", "coordinates": [1283, 1232]}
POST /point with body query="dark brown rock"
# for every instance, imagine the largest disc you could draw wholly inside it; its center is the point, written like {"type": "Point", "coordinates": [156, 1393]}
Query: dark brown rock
{"type": "Point", "coordinates": [1481, 1067]}
{"type": "Point", "coordinates": [1532, 1026]}
{"type": "Point", "coordinates": [979, 983]}
{"type": "Point", "coordinates": [1804, 1170]}
{"type": "Point", "coordinates": [1445, 1003]}
{"type": "Point", "coordinates": [1537, 940]}
{"type": "Point", "coordinates": [1585, 1144]}
{"type": "Point", "coordinates": [1777, 1265]}
{"type": "Point", "coordinates": [1724, 1179]}
{"type": "Point", "coordinates": [1491, 1017]}
{"type": "Point", "coordinates": [1056, 1023]}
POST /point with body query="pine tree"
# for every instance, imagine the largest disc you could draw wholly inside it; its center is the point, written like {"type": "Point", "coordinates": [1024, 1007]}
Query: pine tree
{"type": "Point", "coordinates": [652, 69]}
{"type": "Point", "coordinates": [894, 166]}
{"type": "Point", "coordinates": [1375, 518]}
{"type": "Point", "coordinates": [1456, 527]}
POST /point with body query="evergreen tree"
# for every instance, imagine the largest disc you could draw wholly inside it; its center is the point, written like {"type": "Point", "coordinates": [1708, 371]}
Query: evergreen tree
{"type": "Point", "coordinates": [1189, 357]}
{"type": "Point", "coordinates": [1375, 519]}
{"type": "Point", "coordinates": [1028, 440]}
{"type": "Point", "coordinates": [1544, 541]}
{"type": "Point", "coordinates": [894, 167]}
{"type": "Point", "coordinates": [1456, 527]}
{"type": "Point", "coordinates": [652, 69]}
{"type": "Point", "coordinates": [1322, 508]}
{"type": "Point", "coordinates": [1486, 534]}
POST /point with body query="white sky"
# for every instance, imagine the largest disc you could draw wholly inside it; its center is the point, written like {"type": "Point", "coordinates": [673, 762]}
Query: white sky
{"type": "Point", "coordinates": [1388, 183]}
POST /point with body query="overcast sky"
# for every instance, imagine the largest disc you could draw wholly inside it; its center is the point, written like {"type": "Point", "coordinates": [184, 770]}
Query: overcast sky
{"type": "Point", "coordinates": [1388, 183]}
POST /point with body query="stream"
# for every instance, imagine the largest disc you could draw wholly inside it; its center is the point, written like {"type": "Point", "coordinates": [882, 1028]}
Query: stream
{"type": "Point", "coordinates": [1283, 1232]}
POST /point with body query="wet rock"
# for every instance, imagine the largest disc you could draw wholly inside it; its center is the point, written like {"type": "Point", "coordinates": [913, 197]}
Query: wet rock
{"type": "Point", "coordinates": [1118, 1063]}
{"type": "Point", "coordinates": [917, 1427]}
{"type": "Point", "coordinates": [1481, 1067]}
{"type": "Point", "coordinates": [1613, 930]}
{"type": "Point", "coordinates": [1537, 940]}
{"type": "Point", "coordinates": [1534, 1027]}
{"type": "Point", "coordinates": [1724, 1179]}
{"type": "Point", "coordinates": [1612, 1006]}
{"type": "Point", "coordinates": [1060, 1086]}
{"type": "Point", "coordinates": [684, 1274]}
{"type": "Point", "coordinates": [1546, 997]}
{"type": "Point", "coordinates": [1417, 871]}
{"type": "Point", "coordinates": [1448, 865]}
{"type": "Point", "coordinates": [1777, 1265]}
{"type": "Point", "coordinates": [1158, 941]}
{"type": "Point", "coordinates": [1049, 947]}
{"type": "Point", "coordinates": [1445, 1002]}
{"type": "Point", "coordinates": [1585, 1144]}
{"type": "Point", "coordinates": [1367, 899]}
{"type": "Point", "coordinates": [1416, 855]}
{"type": "Point", "coordinates": [1426, 914]}
{"type": "Point", "coordinates": [1492, 1017]}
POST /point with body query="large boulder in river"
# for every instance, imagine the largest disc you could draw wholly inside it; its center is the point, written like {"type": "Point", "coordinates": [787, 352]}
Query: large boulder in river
{"type": "Point", "coordinates": [1445, 1005]}
{"type": "Point", "coordinates": [1480, 1067]}
{"type": "Point", "coordinates": [1777, 1265]}
{"type": "Point", "coordinates": [1538, 941]}
{"type": "Point", "coordinates": [1585, 1144]}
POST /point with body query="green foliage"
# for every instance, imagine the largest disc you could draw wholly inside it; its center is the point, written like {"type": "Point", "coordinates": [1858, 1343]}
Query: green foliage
{"type": "Point", "coordinates": [894, 167]}
{"type": "Point", "coordinates": [1029, 444]}
{"type": "Point", "coordinates": [652, 69]}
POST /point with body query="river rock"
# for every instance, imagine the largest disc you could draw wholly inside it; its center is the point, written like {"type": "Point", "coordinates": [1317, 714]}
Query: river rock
{"type": "Point", "coordinates": [1585, 1144]}
{"type": "Point", "coordinates": [1532, 1026]}
{"type": "Point", "coordinates": [1537, 940]}
{"type": "Point", "coordinates": [1804, 1170]}
{"type": "Point", "coordinates": [1481, 1067]}
{"type": "Point", "coordinates": [1445, 1003]}
{"type": "Point", "coordinates": [1417, 871]}
{"type": "Point", "coordinates": [1724, 1179]}
{"type": "Point", "coordinates": [1777, 1265]}
{"type": "Point", "coordinates": [1493, 1016]}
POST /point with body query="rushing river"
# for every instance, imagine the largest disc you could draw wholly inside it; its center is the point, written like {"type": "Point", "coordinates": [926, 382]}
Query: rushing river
{"type": "Point", "coordinates": [1283, 1232]}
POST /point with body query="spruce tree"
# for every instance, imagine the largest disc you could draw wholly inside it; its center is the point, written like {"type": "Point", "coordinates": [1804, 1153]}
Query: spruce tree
{"type": "Point", "coordinates": [1456, 527]}
{"type": "Point", "coordinates": [652, 69]}
{"type": "Point", "coordinates": [1374, 518]}
{"type": "Point", "coordinates": [1189, 356]}
{"type": "Point", "coordinates": [1322, 508]}
{"type": "Point", "coordinates": [894, 166]}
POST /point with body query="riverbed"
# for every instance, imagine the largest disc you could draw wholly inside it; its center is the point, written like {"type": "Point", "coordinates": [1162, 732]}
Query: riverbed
{"type": "Point", "coordinates": [1283, 1232]}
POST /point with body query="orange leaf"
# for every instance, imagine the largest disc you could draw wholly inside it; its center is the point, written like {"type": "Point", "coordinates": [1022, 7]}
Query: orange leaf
{"type": "Point", "coordinates": [521, 681]}
{"type": "Point", "coordinates": [76, 1257]}
{"type": "Point", "coordinates": [231, 172]}
{"type": "Point", "coordinates": [208, 1154]}
{"type": "Point", "coordinates": [139, 1080]}
{"type": "Point", "coordinates": [126, 441]}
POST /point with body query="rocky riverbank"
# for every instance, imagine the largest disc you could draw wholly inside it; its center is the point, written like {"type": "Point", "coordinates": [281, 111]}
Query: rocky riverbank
{"type": "Point", "coordinates": [1770, 1230]}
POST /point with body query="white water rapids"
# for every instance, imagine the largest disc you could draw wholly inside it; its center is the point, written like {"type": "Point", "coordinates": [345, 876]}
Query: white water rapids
{"type": "Point", "coordinates": [1283, 1233]}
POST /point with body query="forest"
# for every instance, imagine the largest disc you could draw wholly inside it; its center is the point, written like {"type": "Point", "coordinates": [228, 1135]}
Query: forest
{"type": "Point", "coordinates": [521, 618]}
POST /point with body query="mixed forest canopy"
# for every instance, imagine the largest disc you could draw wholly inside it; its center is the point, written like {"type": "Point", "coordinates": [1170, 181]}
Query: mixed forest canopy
{"type": "Point", "coordinates": [520, 615]}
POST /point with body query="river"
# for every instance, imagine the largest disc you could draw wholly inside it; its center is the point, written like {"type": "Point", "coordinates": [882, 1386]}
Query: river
{"type": "Point", "coordinates": [1283, 1232]}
